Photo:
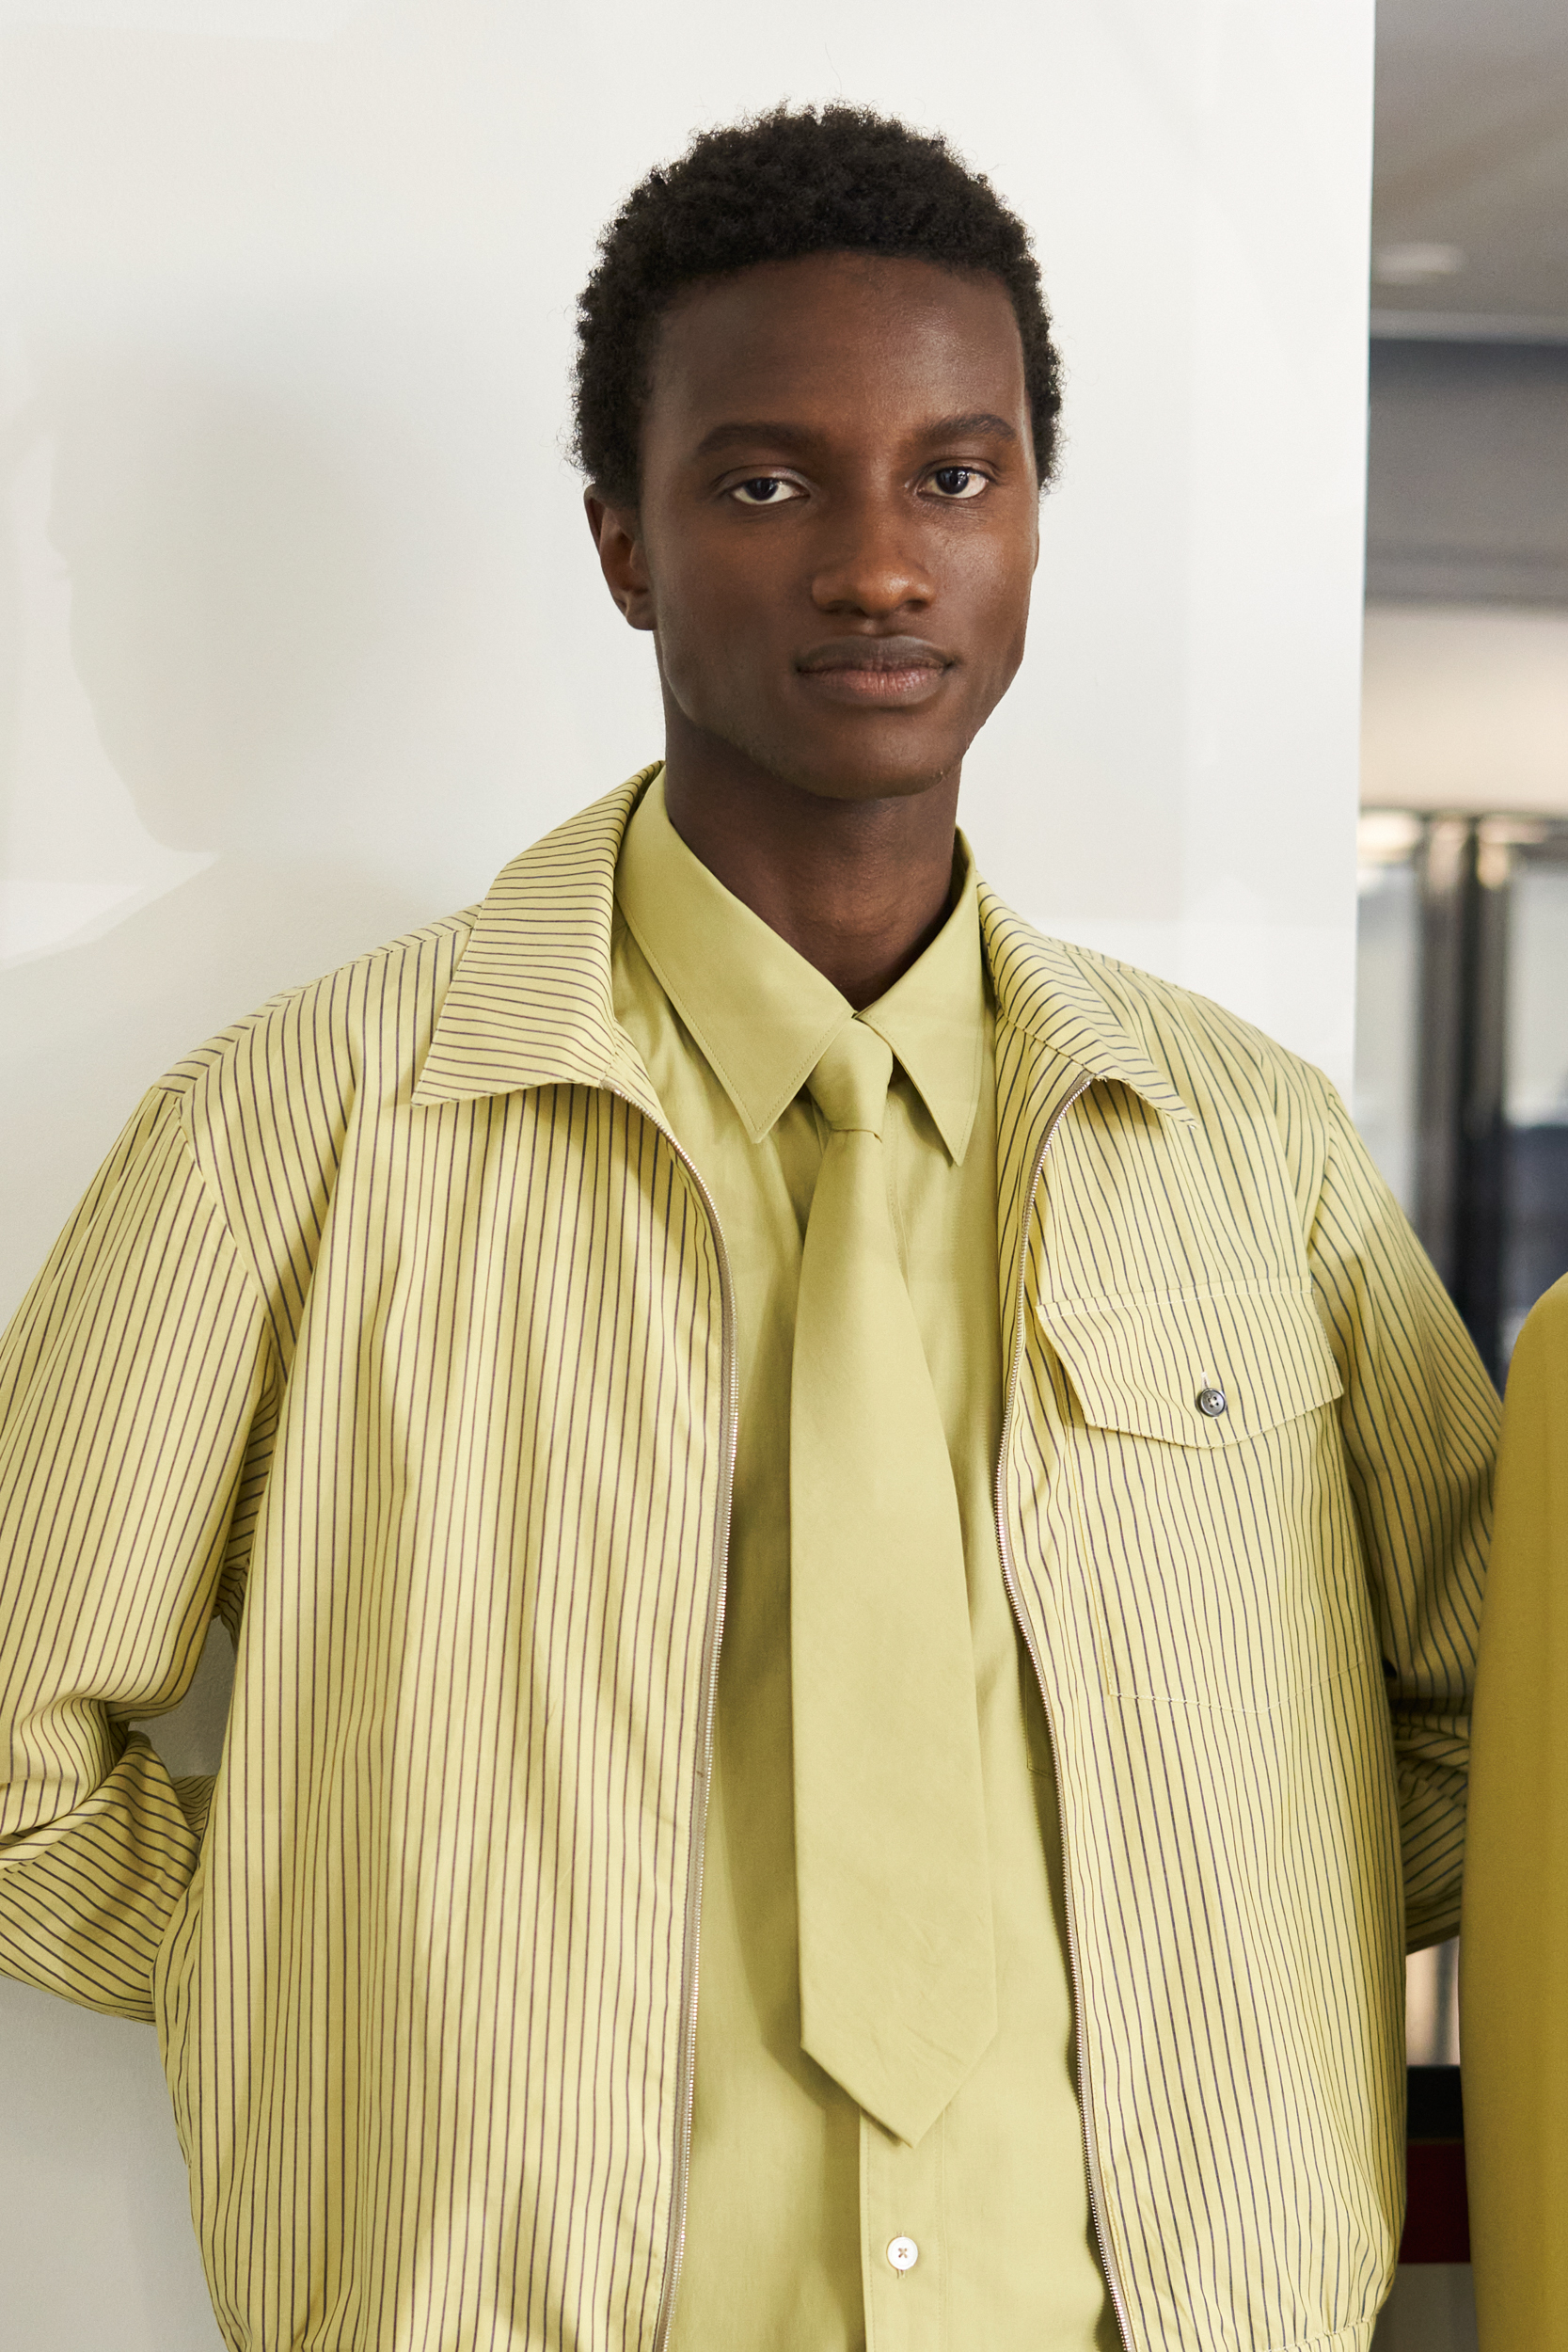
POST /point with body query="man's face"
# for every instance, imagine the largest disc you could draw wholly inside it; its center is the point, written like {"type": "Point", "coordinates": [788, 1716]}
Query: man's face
{"type": "Point", "coordinates": [839, 520]}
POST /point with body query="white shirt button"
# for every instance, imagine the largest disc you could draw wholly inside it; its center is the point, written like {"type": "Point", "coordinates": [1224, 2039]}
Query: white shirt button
{"type": "Point", "coordinates": [902, 2252]}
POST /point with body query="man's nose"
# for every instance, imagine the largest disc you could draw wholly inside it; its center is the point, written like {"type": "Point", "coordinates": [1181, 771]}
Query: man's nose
{"type": "Point", "coordinates": [875, 566]}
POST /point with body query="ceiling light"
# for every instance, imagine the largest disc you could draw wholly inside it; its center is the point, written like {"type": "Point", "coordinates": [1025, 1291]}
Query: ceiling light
{"type": "Point", "coordinates": [1385, 836]}
{"type": "Point", "coordinates": [1415, 264]}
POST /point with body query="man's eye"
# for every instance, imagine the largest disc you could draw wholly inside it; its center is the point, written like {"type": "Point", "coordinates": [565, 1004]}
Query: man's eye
{"type": "Point", "coordinates": [958, 482]}
{"type": "Point", "coordinates": [765, 489]}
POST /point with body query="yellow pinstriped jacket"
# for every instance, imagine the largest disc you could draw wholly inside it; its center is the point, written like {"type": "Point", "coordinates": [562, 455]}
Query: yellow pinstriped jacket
{"type": "Point", "coordinates": [397, 1332]}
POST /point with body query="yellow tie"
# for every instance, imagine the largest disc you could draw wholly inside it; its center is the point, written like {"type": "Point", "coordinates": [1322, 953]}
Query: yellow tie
{"type": "Point", "coordinates": [897, 1964]}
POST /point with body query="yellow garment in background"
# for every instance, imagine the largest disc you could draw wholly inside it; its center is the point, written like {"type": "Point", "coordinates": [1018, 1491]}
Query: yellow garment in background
{"type": "Point", "coordinates": [1514, 1976]}
{"type": "Point", "coordinates": [795, 2195]}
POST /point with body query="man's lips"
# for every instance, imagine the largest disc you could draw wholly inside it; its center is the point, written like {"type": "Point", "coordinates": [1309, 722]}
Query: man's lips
{"type": "Point", "coordinates": [881, 670]}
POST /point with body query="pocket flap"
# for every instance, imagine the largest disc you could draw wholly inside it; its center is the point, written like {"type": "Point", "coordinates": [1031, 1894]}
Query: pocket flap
{"type": "Point", "coordinates": [1140, 1365]}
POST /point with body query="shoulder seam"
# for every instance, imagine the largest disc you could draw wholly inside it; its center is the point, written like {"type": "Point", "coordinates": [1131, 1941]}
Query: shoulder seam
{"type": "Point", "coordinates": [178, 1098]}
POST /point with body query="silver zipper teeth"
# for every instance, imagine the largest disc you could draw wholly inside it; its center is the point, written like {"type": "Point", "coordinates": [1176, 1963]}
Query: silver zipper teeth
{"type": "Point", "coordinates": [713, 1635]}
{"type": "Point", "coordinates": [1097, 2186]}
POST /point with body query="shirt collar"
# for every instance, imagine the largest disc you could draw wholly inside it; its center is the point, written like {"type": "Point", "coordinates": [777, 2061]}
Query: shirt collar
{"type": "Point", "coordinates": [934, 1017]}
{"type": "Point", "coordinates": [524, 996]}
{"type": "Point", "coordinates": [764, 1016]}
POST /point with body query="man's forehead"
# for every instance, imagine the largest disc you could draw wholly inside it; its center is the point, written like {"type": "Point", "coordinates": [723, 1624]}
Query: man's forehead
{"type": "Point", "coordinates": [842, 290]}
{"type": "Point", "coordinates": [731, 344]}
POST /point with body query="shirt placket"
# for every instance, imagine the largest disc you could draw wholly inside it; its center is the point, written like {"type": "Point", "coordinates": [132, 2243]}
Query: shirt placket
{"type": "Point", "coordinates": [903, 2241]}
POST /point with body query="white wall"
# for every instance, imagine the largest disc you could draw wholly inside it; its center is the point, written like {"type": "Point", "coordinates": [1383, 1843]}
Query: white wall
{"type": "Point", "coordinates": [304, 638]}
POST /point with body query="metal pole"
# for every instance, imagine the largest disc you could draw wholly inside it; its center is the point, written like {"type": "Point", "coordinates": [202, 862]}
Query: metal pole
{"type": "Point", "coordinates": [1461, 1162]}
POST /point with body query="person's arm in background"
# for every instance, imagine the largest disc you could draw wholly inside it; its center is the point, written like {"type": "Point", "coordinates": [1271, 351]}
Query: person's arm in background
{"type": "Point", "coordinates": [1514, 1973]}
{"type": "Point", "coordinates": [136, 1384]}
{"type": "Point", "coordinates": [1419, 1419]}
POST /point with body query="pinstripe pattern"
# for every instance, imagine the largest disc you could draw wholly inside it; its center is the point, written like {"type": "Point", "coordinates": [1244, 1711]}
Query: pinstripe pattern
{"type": "Point", "coordinates": [396, 1329]}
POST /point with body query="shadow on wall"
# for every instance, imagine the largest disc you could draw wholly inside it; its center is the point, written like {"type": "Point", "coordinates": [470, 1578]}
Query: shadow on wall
{"type": "Point", "coordinates": [224, 594]}
{"type": "Point", "coordinates": [226, 573]}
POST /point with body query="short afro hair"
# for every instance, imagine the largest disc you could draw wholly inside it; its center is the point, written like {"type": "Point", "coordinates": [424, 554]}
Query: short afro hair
{"type": "Point", "coordinates": [796, 181]}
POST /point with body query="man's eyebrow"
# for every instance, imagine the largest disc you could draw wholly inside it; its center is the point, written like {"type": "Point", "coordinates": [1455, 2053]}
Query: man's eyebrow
{"type": "Point", "coordinates": [778, 435]}
{"type": "Point", "coordinates": [726, 435]}
{"type": "Point", "coordinates": [975, 421]}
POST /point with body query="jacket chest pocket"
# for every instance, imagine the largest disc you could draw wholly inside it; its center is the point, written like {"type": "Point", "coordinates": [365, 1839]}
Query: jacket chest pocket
{"type": "Point", "coordinates": [1209, 1494]}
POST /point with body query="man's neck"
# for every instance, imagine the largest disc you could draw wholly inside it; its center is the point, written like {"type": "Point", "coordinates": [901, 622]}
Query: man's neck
{"type": "Point", "coordinates": [858, 889]}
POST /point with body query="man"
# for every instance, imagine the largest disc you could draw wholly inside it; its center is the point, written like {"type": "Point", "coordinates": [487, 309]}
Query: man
{"type": "Point", "coordinates": [1516, 1868]}
{"type": "Point", "coordinates": [853, 1537]}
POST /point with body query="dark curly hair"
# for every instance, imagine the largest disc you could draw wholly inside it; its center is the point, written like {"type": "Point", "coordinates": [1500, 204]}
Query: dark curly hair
{"type": "Point", "coordinates": [827, 180]}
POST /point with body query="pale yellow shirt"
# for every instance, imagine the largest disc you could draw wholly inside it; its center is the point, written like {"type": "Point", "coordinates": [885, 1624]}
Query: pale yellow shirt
{"type": "Point", "coordinates": [795, 2194]}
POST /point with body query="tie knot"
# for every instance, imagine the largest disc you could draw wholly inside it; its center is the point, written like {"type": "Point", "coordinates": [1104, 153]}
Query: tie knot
{"type": "Point", "coordinates": [850, 1082]}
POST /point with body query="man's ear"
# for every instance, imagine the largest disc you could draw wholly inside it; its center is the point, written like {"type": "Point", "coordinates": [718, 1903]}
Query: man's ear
{"type": "Point", "coordinates": [621, 559]}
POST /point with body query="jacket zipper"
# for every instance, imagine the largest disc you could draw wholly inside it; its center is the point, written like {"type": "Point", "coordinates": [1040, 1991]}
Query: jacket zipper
{"type": "Point", "coordinates": [686, 2070]}
{"type": "Point", "coordinates": [1091, 2153]}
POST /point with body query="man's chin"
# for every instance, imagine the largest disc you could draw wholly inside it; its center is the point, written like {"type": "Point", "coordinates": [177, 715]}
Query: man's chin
{"type": "Point", "coordinates": [879, 787]}
{"type": "Point", "coordinates": [857, 771]}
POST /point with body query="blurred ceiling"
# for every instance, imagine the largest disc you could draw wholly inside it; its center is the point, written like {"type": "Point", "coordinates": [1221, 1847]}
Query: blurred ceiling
{"type": "Point", "coordinates": [1470, 192]}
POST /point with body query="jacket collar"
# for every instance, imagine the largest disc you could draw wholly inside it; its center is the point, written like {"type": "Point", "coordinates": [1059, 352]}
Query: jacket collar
{"type": "Point", "coordinates": [530, 1001]}
{"type": "Point", "coordinates": [1066, 999]}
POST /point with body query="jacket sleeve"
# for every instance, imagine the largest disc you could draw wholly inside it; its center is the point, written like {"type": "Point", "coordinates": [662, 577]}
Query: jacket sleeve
{"type": "Point", "coordinates": [1419, 1422]}
{"type": "Point", "coordinates": [132, 1383]}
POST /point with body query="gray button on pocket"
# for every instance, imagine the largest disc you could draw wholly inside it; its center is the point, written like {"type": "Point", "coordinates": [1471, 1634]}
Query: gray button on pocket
{"type": "Point", "coordinates": [1210, 1401]}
